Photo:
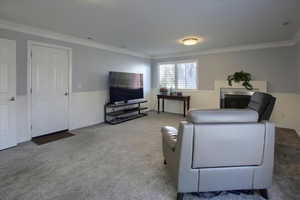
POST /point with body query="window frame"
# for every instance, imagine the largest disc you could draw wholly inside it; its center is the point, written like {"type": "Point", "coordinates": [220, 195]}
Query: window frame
{"type": "Point", "coordinates": [176, 81]}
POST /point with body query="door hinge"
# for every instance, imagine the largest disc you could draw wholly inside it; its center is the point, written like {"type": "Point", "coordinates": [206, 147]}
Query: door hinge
{"type": "Point", "coordinates": [31, 54]}
{"type": "Point", "coordinates": [30, 127]}
{"type": "Point", "coordinates": [31, 90]}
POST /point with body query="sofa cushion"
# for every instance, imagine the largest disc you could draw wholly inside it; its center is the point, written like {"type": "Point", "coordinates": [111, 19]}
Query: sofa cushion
{"type": "Point", "coordinates": [222, 116]}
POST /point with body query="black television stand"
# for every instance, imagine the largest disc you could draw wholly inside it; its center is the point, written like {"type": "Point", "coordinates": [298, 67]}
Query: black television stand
{"type": "Point", "coordinates": [118, 113]}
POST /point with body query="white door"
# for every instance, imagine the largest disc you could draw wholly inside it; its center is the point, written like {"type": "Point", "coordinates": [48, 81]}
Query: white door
{"type": "Point", "coordinates": [49, 85]}
{"type": "Point", "coordinates": [7, 94]}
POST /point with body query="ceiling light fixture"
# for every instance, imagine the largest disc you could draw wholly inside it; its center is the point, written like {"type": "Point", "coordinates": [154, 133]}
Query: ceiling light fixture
{"type": "Point", "coordinates": [191, 40]}
{"type": "Point", "coordinates": [285, 23]}
{"type": "Point", "coordinates": [90, 38]}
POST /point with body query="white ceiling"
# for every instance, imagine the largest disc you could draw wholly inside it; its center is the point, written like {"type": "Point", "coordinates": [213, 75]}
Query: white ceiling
{"type": "Point", "coordinates": [154, 26]}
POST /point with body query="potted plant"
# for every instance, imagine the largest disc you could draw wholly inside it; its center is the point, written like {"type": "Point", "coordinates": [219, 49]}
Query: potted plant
{"type": "Point", "coordinates": [243, 77]}
{"type": "Point", "coordinates": [163, 90]}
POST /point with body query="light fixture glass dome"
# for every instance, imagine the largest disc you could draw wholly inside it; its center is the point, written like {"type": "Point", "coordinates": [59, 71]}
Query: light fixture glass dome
{"type": "Point", "coordinates": [192, 40]}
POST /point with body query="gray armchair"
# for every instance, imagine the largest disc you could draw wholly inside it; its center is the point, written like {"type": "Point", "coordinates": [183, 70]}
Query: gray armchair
{"type": "Point", "coordinates": [219, 150]}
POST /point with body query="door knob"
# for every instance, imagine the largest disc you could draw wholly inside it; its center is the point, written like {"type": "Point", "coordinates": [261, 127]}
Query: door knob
{"type": "Point", "coordinates": [12, 99]}
{"type": "Point", "coordinates": [66, 93]}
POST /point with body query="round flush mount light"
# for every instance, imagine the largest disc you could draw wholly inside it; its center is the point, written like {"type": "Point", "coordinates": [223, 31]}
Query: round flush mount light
{"type": "Point", "coordinates": [191, 40]}
{"type": "Point", "coordinates": [90, 38]}
{"type": "Point", "coordinates": [285, 23]}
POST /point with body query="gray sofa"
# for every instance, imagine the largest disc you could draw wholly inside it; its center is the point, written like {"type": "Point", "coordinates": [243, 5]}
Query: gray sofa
{"type": "Point", "coordinates": [219, 150]}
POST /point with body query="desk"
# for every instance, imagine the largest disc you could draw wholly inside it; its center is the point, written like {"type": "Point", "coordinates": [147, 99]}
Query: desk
{"type": "Point", "coordinates": [185, 99]}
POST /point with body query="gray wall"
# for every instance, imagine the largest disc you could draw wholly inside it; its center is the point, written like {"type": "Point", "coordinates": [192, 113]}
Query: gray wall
{"type": "Point", "coordinates": [276, 65]}
{"type": "Point", "coordinates": [90, 65]}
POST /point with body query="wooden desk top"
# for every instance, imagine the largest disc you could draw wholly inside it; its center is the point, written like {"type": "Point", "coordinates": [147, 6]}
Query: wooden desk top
{"type": "Point", "coordinates": [172, 97]}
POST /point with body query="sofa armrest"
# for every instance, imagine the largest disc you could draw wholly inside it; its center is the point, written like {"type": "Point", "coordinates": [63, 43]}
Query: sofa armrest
{"type": "Point", "coordinates": [169, 135]}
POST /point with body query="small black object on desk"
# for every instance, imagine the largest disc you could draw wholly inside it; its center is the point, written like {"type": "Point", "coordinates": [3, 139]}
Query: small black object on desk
{"type": "Point", "coordinates": [185, 99]}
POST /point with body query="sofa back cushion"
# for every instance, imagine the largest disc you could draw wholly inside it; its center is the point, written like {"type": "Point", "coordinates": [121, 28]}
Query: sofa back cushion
{"type": "Point", "coordinates": [262, 103]}
{"type": "Point", "coordinates": [222, 116]}
{"type": "Point", "coordinates": [228, 145]}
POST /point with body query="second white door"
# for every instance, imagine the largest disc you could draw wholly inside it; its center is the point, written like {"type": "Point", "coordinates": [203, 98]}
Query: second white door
{"type": "Point", "coordinates": [7, 94]}
{"type": "Point", "coordinates": [50, 89]}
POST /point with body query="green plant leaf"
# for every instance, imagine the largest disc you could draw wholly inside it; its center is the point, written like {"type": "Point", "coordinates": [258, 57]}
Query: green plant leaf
{"type": "Point", "coordinates": [241, 76]}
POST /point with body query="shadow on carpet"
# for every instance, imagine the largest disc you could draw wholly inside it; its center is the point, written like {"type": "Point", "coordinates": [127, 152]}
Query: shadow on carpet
{"type": "Point", "coordinates": [223, 196]}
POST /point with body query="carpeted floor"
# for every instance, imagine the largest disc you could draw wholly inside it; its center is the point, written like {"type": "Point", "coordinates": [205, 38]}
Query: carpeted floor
{"type": "Point", "coordinates": [120, 162]}
{"type": "Point", "coordinates": [287, 164]}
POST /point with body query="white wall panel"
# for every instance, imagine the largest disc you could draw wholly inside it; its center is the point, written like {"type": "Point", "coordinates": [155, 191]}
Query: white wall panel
{"type": "Point", "coordinates": [86, 108]}
{"type": "Point", "coordinates": [23, 133]}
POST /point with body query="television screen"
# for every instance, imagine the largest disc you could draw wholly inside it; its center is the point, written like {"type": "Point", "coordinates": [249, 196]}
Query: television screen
{"type": "Point", "coordinates": [125, 86]}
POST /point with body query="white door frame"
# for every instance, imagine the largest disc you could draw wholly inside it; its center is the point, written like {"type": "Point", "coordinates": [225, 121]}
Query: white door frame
{"type": "Point", "coordinates": [31, 43]}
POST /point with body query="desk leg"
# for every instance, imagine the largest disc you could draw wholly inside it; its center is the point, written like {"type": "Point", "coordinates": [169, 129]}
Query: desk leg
{"type": "Point", "coordinates": [163, 106]}
{"type": "Point", "coordinates": [158, 106]}
{"type": "Point", "coordinates": [184, 108]}
{"type": "Point", "coordinates": [188, 104]}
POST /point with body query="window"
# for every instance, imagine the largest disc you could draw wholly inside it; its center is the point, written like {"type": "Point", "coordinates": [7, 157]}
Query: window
{"type": "Point", "coordinates": [179, 75]}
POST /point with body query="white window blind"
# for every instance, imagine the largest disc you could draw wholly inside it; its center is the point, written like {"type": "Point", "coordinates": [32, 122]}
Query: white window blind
{"type": "Point", "coordinates": [181, 75]}
{"type": "Point", "coordinates": [167, 75]}
{"type": "Point", "coordinates": [186, 76]}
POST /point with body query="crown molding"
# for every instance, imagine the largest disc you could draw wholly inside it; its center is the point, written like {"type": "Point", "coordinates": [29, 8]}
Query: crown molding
{"type": "Point", "coordinates": [4, 24]}
{"type": "Point", "coordinates": [286, 43]}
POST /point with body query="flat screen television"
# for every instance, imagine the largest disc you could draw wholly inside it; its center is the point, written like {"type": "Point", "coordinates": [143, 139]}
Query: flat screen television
{"type": "Point", "coordinates": [125, 86]}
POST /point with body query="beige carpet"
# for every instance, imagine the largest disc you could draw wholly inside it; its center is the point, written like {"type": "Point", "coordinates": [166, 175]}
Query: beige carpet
{"type": "Point", "coordinates": [120, 162]}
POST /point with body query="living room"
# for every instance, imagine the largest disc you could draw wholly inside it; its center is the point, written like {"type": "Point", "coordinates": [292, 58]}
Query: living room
{"type": "Point", "coordinates": [68, 68]}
